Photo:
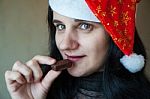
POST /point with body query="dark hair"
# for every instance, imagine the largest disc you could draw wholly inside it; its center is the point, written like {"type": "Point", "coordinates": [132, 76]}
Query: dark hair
{"type": "Point", "coordinates": [118, 83]}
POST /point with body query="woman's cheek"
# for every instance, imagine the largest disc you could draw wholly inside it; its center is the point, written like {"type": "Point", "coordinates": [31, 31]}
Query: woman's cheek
{"type": "Point", "coordinates": [58, 40]}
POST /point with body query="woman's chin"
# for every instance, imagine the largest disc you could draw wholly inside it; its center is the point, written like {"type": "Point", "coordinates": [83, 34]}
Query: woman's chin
{"type": "Point", "coordinates": [75, 72]}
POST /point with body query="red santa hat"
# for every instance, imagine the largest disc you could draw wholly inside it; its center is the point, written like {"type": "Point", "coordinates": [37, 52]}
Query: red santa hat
{"type": "Point", "coordinates": [117, 17]}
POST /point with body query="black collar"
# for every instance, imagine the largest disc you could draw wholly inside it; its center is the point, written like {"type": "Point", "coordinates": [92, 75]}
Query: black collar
{"type": "Point", "coordinates": [93, 82]}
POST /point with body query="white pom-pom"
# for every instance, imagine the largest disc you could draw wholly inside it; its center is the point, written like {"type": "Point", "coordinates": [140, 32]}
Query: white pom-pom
{"type": "Point", "coordinates": [133, 62]}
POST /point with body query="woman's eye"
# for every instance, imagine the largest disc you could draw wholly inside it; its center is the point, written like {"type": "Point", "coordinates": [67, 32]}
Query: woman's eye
{"type": "Point", "coordinates": [60, 27]}
{"type": "Point", "coordinates": [85, 26]}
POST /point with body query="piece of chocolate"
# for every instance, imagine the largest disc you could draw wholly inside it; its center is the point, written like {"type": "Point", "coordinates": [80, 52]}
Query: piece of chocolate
{"type": "Point", "coordinates": [61, 65]}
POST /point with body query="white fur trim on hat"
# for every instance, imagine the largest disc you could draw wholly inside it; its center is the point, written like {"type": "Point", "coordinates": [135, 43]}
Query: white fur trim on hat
{"type": "Point", "coordinates": [133, 62]}
{"type": "Point", "coordinates": [77, 9]}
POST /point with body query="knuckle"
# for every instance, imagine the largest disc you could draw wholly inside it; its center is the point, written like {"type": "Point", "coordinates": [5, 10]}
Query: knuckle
{"type": "Point", "coordinates": [28, 73]}
{"type": "Point", "coordinates": [31, 62]}
{"type": "Point", "coordinates": [36, 56]}
{"type": "Point", "coordinates": [16, 64]}
{"type": "Point", "coordinates": [17, 76]}
{"type": "Point", "coordinates": [7, 73]}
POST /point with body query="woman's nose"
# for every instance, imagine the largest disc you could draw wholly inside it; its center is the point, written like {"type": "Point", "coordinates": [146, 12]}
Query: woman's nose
{"type": "Point", "coordinates": [69, 42]}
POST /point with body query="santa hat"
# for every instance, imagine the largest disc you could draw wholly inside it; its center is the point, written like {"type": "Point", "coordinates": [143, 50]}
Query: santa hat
{"type": "Point", "coordinates": [117, 17]}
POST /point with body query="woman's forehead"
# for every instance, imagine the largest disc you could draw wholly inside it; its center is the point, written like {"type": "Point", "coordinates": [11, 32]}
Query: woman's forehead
{"type": "Point", "coordinates": [58, 18]}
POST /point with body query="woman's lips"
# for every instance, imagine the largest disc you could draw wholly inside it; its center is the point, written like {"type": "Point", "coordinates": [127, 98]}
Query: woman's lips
{"type": "Point", "coordinates": [75, 58]}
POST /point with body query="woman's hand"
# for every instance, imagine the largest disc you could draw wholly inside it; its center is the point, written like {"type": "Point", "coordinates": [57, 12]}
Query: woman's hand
{"type": "Point", "coordinates": [25, 81]}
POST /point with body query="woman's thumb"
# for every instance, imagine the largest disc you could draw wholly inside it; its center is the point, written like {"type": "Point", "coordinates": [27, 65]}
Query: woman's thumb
{"type": "Point", "coordinates": [49, 78]}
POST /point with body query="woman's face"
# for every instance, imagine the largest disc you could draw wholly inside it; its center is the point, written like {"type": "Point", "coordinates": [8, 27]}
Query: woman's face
{"type": "Point", "coordinates": [83, 42]}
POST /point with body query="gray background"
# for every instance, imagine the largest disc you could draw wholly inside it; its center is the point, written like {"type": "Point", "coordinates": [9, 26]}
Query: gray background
{"type": "Point", "coordinates": [23, 33]}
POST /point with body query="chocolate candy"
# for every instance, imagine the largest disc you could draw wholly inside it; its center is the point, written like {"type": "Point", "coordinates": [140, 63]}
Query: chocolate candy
{"type": "Point", "coordinates": [61, 65]}
{"type": "Point", "coordinates": [58, 66]}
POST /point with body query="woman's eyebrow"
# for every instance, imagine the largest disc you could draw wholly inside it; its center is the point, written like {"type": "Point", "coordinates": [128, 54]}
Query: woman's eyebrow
{"type": "Point", "coordinates": [78, 20]}
{"type": "Point", "coordinates": [56, 21]}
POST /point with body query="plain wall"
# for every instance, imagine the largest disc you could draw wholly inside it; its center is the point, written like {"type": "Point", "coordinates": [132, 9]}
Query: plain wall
{"type": "Point", "coordinates": [143, 27]}
{"type": "Point", "coordinates": [23, 32]}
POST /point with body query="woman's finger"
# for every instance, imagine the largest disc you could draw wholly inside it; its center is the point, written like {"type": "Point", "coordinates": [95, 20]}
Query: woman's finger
{"type": "Point", "coordinates": [12, 77]}
{"type": "Point", "coordinates": [23, 70]}
{"type": "Point", "coordinates": [14, 80]}
{"type": "Point", "coordinates": [49, 78]}
{"type": "Point", "coordinates": [35, 67]}
{"type": "Point", "coordinates": [44, 60]}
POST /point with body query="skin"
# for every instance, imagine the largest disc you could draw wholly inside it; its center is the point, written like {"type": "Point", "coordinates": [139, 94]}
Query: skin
{"type": "Point", "coordinates": [83, 42]}
{"type": "Point", "coordinates": [25, 81]}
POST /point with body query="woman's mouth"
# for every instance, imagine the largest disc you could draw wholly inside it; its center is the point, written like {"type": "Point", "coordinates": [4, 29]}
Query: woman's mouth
{"type": "Point", "coordinates": [75, 58]}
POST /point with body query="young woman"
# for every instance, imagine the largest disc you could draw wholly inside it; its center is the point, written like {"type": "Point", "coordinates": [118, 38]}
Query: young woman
{"type": "Point", "coordinates": [99, 71]}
